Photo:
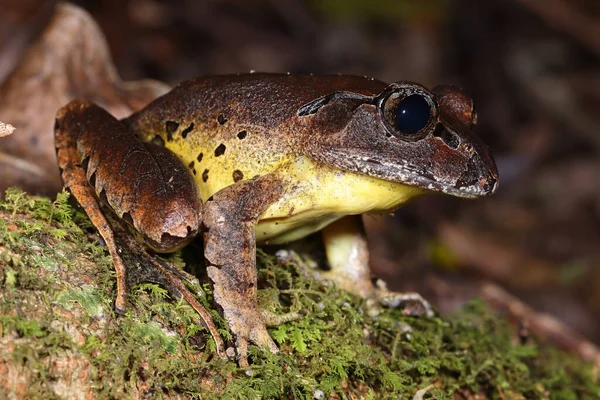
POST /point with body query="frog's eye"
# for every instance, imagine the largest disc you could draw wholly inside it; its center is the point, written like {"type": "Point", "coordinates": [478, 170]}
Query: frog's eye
{"type": "Point", "coordinates": [408, 113]}
{"type": "Point", "coordinates": [412, 114]}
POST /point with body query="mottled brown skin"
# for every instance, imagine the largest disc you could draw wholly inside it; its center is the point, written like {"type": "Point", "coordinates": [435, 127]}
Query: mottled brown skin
{"type": "Point", "coordinates": [335, 135]}
{"type": "Point", "coordinates": [274, 158]}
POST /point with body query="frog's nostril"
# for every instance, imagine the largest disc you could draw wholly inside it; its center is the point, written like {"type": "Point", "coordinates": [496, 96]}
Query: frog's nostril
{"type": "Point", "coordinates": [488, 185]}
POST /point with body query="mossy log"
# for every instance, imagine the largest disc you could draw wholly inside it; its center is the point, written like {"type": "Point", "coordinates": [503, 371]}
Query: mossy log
{"type": "Point", "coordinates": [59, 336]}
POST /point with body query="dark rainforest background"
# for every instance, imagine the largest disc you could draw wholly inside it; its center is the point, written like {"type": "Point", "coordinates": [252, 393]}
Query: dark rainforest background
{"type": "Point", "coordinates": [532, 67]}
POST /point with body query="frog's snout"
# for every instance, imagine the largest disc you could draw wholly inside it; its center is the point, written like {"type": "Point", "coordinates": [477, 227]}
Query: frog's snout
{"type": "Point", "coordinates": [480, 177]}
{"type": "Point", "coordinates": [488, 185]}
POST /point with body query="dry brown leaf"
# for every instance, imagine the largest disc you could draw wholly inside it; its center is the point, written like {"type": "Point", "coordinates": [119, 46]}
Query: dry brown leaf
{"type": "Point", "coordinates": [70, 59]}
{"type": "Point", "coordinates": [6, 129]}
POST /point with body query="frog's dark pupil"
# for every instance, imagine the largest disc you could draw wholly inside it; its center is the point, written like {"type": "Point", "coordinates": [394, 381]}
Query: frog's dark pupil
{"type": "Point", "coordinates": [412, 114]}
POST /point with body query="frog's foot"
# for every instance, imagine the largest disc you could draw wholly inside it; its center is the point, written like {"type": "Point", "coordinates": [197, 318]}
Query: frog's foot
{"type": "Point", "coordinates": [359, 284]}
{"type": "Point", "coordinates": [348, 256]}
{"type": "Point", "coordinates": [91, 178]}
{"type": "Point", "coordinates": [247, 322]}
{"type": "Point", "coordinates": [410, 302]}
{"type": "Point", "coordinates": [249, 326]}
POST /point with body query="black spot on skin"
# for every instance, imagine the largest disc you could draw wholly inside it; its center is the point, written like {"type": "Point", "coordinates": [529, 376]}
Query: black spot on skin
{"type": "Point", "coordinates": [158, 141]}
{"type": "Point", "coordinates": [219, 151]}
{"type": "Point", "coordinates": [194, 171]}
{"type": "Point", "coordinates": [191, 165]}
{"type": "Point", "coordinates": [242, 135]}
{"type": "Point", "coordinates": [205, 175]}
{"type": "Point", "coordinates": [171, 127]}
{"type": "Point", "coordinates": [238, 175]}
{"type": "Point", "coordinates": [221, 119]}
{"type": "Point", "coordinates": [211, 198]}
{"type": "Point", "coordinates": [199, 158]}
{"type": "Point", "coordinates": [187, 130]}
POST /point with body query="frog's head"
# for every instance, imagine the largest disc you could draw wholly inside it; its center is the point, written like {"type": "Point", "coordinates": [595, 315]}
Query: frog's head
{"type": "Point", "coordinates": [404, 134]}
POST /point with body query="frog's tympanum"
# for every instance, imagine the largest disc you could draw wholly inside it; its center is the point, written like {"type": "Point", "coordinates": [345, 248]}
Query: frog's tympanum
{"type": "Point", "coordinates": [268, 159]}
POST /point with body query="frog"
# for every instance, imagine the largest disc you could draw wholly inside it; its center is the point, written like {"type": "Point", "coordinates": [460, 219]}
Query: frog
{"type": "Point", "coordinates": [266, 159]}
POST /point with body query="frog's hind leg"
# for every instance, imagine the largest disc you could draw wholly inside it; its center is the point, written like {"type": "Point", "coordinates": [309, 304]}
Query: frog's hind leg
{"type": "Point", "coordinates": [74, 178]}
{"type": "Point", "coordinates": [80, 124]}
{"type": "Point", "coordinates": [348, 257]}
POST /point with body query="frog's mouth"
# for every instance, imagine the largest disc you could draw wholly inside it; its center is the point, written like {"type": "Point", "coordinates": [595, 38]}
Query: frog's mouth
{"type": "Point", "coordinates": [473, 181]}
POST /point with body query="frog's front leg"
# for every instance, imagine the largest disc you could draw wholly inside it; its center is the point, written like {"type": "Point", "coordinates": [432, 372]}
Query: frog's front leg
{"type": "Point", "coordinates": [348, 257]}
{"type": "Point", "coordinates": [230, 217]}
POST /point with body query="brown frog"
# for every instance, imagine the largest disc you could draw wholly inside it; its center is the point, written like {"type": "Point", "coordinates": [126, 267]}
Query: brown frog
{"type": "Point", "coordinates": [268, 158]}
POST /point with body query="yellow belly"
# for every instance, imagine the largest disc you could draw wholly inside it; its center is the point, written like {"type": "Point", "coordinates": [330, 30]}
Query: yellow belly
{"type": "Point", "coordinates": [317, 195]}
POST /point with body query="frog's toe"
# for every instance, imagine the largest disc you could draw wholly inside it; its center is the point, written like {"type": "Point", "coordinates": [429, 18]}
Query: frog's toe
{"type": "Point", "coordinates": [247, 328]}
{"type": "Point", "coordinates": [119, 309]}
{"type": "Point", "coordinates": [120, 300]}
{"type": "Point", "coordinates": [272, 319]}
{"type": "Point", "coordinates": [250, 326]}
{"type": "Point", "coordinates": [411, 303]}
{"type": "Point", "coordinates": [261, 337]}
{"type": "Point", "coordinates": [181, 274]}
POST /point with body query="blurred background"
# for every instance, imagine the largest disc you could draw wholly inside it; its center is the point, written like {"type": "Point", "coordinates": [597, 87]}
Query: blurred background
{"type": "Point", "coordinates": [532, 67]}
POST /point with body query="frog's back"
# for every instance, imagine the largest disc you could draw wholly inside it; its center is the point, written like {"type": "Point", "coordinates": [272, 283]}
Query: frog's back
{"type": "Point", "coordinates": [233, 127]}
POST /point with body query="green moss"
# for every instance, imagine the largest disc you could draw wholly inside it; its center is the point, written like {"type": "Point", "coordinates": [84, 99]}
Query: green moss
{"type": "Point", "coordinates": [87, 297]}
{"type": "Point", "coordinates": [56, 301]}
